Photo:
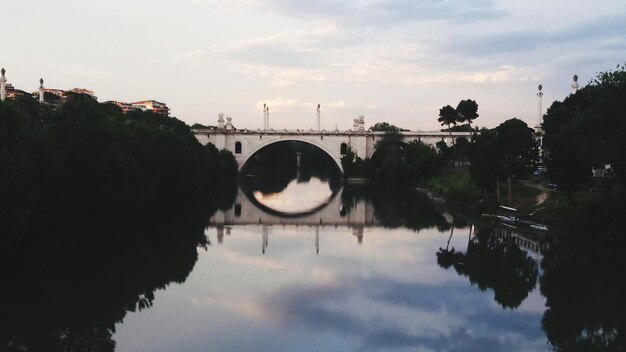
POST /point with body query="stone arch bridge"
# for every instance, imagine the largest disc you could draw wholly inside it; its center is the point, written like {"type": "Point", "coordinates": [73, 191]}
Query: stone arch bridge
{"type": "Point", "coordinates": [245, 143]}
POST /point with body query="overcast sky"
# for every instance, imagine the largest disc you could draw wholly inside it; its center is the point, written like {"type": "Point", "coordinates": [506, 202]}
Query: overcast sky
{"type": "Point", "coordinates": [391, 60]}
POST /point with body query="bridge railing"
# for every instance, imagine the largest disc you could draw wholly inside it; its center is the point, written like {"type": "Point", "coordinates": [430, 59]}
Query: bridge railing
{"type": "Point", "coordinates": [326, 132]}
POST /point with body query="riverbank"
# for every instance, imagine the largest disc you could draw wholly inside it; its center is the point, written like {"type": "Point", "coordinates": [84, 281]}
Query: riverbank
{"type": "Point", "coordinates": [452, 185]}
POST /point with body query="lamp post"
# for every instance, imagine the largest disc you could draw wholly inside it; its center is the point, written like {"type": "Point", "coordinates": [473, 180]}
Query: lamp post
{"type": "Point", "coordinates": [540, 96]}
{"type": "Point", "coordinates": [41, 96]}
{"type": "Point", "coordinates": [3, 85]}
{"type": "Point", "coordinates": [575, 85]}
{"type": "Point", "coordinates": [319, 112]}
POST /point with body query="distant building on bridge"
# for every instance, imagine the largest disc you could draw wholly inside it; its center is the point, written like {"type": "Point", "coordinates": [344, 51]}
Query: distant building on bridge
{"type": "Point", "coordinates": [126, 107]}
{"type": "Point", "coordinates": [153, 106]}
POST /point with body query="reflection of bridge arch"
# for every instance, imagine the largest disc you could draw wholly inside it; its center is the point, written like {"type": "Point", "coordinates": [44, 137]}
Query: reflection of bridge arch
{"type": "Point", "coordinates": [246, 155]}
{"type": "Point", "coordinates": [246, 212]}
{"type": "Point", "coordinates": [250, 197]}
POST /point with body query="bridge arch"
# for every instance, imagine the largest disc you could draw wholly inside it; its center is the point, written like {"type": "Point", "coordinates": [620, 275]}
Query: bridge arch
{"type": "Point", "coordinates": [332, 154]}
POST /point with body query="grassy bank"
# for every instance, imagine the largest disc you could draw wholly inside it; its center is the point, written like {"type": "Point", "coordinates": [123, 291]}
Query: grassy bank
{"type": "Point", "coordinates": [455, 185]}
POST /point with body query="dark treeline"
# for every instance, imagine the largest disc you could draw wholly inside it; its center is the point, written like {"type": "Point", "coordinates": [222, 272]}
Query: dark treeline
{"type": "Point", "coordinates": [493, 261]}
{"type": "Point", "coordinates": [587, 131]}
{"type": "Point", "coordinates": [401, 209]}
{"type": "Point", "coordinates": [98, 210]}
{"type": "Point", "coordinates": [87, 165]}
{"type": "Point", "coordinates": [585, 307]}
{"type": "Point", "coordinates": [395, 162]}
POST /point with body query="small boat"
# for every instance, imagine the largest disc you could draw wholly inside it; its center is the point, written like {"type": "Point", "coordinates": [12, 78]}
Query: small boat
{"type": "Point", "coordinates": [507, 219]}
{"type": "Point", "coordinates": [539, 227]}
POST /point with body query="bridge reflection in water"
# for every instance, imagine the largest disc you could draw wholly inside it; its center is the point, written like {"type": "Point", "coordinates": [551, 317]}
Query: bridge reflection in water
{"type": "Point", "coordinates": [247, 210]}
{"type": "Point", "coordinates": [334, 214]}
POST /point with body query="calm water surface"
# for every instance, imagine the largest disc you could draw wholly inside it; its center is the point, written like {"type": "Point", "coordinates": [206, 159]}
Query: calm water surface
{"type": "Point", "coordinates": [309, 266]}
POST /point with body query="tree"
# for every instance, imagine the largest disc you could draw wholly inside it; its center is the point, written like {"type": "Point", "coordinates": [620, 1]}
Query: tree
{"type": "Point", "coordinates": [483, 160]}
{"type": "Point", "coordinates": [587, 130]}
{"type": "Point", "coordinates": [467, 111]}
{"type": "Point", "coordinates": [493, 261]}
{"type": "Point", "coordinates": [516, 150]}
{"type": "Point", "coordinates": [448, 116]}
{"type": "Point", "coordinates": [385, 127]}
{"type": "Point", "coordinates": [509, 150]}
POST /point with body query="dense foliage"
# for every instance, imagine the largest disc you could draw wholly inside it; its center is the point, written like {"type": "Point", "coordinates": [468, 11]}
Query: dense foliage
{"type": "Point", "coordinates": [385, 127]}
{"type": "Point", "coordinates": [395, 162]}
{"type": "Point", "coordinates": [507, 152]}
{"type": "Point", "coordinates": [88, 163]}
{"type": "Point", "coordinates": [98, 210]}
{"type": "Point", "coordinates": [588, 130]}
{"type": "Point", "coordinates": [465, 112]}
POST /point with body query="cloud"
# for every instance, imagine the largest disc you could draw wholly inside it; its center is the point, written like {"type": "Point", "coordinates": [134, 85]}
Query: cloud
{"type": "Point", "coordinates": [452, 306]}
{"type": "Point", "coordinates": [387, 13]}
{"type": "Point", "coordinates": [427, 10]}
{"type": "Point", "coordinates": [191, 54]}
{"type": "Point", "coordinates": [613, 26]}
{"type": "Point", "coordinates": [260, 262]}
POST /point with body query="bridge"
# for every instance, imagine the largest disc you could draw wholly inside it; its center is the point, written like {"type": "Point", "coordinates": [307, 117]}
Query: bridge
{"type": "Point", "coordinates": [247, 211]}
{"type": "Point", "coordinates": [244, 143]}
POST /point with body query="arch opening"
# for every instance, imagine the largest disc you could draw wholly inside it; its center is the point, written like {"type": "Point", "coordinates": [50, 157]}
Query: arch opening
{"type": "Point", "coordinates": [274, 180]}
{"type": "Point", "coordinates": [238, 148]}
{"type": "Point", "coordinates": [343, 149]}
{"type": "Point", "coordinates": [305, 147]}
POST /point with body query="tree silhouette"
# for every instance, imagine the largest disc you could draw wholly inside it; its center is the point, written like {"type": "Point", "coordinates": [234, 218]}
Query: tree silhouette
{"type": "Point", "coordinates": [584, 294]}
{"type": "Point", "coordinates": [467, 111]}
{"type": "Point", "coordinates": [493, 261]}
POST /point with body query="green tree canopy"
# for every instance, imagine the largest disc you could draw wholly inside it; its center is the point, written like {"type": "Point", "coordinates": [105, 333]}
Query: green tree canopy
{"type": "Point", "coordinates": [448, 116]}
{"type": "Point", "coordinates": [385, 127]}
{"type": "Point", "coordinates": [467, 111]}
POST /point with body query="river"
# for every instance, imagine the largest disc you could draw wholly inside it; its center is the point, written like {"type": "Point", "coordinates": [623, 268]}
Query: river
{"type": "Point", "coordinates": [299, 262]}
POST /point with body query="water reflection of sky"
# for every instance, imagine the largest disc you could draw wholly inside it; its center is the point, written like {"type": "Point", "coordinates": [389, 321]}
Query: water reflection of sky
{"type": "Point", "coordinates": [384, 294]}
{"type": "Point", "coordinates": [297, 197]}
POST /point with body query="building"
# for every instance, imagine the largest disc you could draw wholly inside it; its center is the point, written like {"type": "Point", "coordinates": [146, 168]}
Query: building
{"type": "Point", "coordinates": [82, 91]}
{"type": "Point", "coordinates": [126, 107]}
{"type": "Point", "coordinates": [153, 106]}
{"type": "Point", "coordinates": [13, 93]}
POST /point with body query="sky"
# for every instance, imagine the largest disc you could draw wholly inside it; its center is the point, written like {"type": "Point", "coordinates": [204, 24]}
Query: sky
{"type": "Point", "coordinates": [397, 61]}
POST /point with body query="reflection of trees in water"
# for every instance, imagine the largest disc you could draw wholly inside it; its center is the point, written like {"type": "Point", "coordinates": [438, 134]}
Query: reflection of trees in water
{"type": "Point", "coordinates": [583, 285]}
{"type": "Point", "coordinates": [396, 207]}
{"type": "Point", "coordinates": [68, 295]}
{"type": "Point", "coordinates": [493, 261]}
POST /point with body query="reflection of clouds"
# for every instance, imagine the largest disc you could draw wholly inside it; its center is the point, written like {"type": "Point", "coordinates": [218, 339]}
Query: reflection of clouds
{"type": "Point", "coordinates": [374, 324]}
{"type": "Point", "coordinates": [297, 197]}
{"type": "Point", "coordinates": [261, 262]}
{"type": "Point", "coordinates": [247, 307]}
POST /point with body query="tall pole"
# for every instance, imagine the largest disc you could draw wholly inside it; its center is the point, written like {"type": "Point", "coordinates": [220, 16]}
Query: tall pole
{"type": "Point", "coordinates": [41, 97]}
{"type": "Point", "coordinates": [319, 112]}
{"type": "Point", "coordinates": [264, 116]}
{"type": "Point", "coordinates": [317, 240]}
{"type": "Point", "coordinates": [575, 85]}
{"type": "Point", "coordinates": [3, 85]}
{"type": "Point", "coordinates": [540, 96]}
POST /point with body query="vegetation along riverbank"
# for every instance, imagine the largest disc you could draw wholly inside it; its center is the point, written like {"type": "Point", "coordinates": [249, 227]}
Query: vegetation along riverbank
{"type": "Point", "coordinates": [570, 171]}
{"type": "Point", "coordinates": [87, 174]}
